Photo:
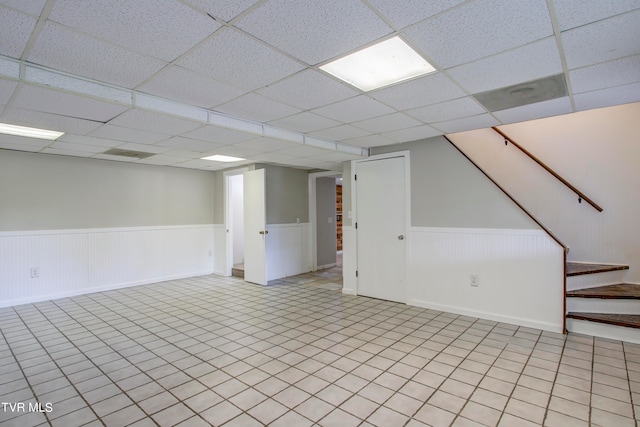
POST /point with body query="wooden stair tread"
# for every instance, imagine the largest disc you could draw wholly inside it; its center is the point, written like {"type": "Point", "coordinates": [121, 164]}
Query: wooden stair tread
{"type": "Point", "coordinates": [578, 268]}
{"type": "Point", "coordinates": [626, 320]}
{"type": "Point", "coordinates": [617, 291]}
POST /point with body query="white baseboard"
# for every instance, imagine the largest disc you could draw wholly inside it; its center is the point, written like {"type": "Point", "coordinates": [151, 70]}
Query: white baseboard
{"type": "Point", "coordinates": [488, 316]}
{"type": "Point", "coordinates": [85, 291]}
{"type": "Point", "coordinates": [603, 330]}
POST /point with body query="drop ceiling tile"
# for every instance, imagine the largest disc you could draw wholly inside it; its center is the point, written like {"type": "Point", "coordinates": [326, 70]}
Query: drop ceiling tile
{"type": "Point", "coordinates": [19, 147]}
{"type": "Point", "coordinates": [607, 97]}
{"type": "Point", "coordinates": [90, 140]}
{"type": "Point", "coordinates": [154, 122]}
{"type": "Point", "coordinates": [115, 158]}
{"type": "Point", "coordinates": [266, 144]}
{"type": "Point", "coordinates": [360, 107]}
{"type": "Point", "coordinates": [554, 107]}
{"type": "Point", "coordinates": [412, 134]}
{"type": "Point", "coordinates": [227, 10]}
{"type": "Point", "coordinates": [305, 122]}
{"type": "Point", "coordinates": [370, 141]}
{"type": "Point", "coordinates": [427, 90]}
{"type": "Point", "coordinates": [337, 156]}
{"type": "Point", "coordinates": [185, 86]}
{"type": "Point", "coordinates": [603, 41]}
{"type": "Point", "coordinates": [15, 31]}
{"type": "Point", "coordinates": [412, 11]}
{"type": "Point", "coordinates": [273, 157]}
{"type": "Point", "coordinates": [161, 160]}
{"type": "Point", "coordinates": [303, 151]}
{"type": "Point", "coordinates": [52, 101]}
{"type": "Point", "coordinates": [257, 108]}
{"type": "Point", "coordinates": [248, 64]}
{"type": "Point", "coordinates": [32, 7]}
{"type": "Point", "coordinates": [23, 141]}
{"type": "Point", "coordinates": [128, 135]}
{"type": "Point", "coordinates": [72, 146]}
{"type": "Point", "coordinates": [340, 133]}
{"type": "Point", "coordinates": [461, 107]}
{"type": "Point", "coordinates": [145, 148]}
{"type": "Point", "coordinates": [308, 89]}
{"type": "Point", "coordinates": [219, 135]}
{"type": "Point", "coordinates": [573, 14]}
{"type": "Point", "coordinates": [62, 152]}
{"type": "Point", "coordinates": [235, 151]}
{"type": "Point", "coordinates": [138, 25]}
{"type": "Point", "coordinates": [193, 145]}
{"type": "Point", "coordinates": [466, 123]}
{"type": "Point", "coordinates": [63, 49]}
{"type": "Point", "coordinates": [478, 29]}
{"type": "Point", "coordinates": [39, 119]}
{"type": "Point", "coordinates": [7, 87]}
{"type": "Point", "coordinates": [314, 31]}
{"type": "Point", "coordinates": [523, 64]}
{"type": "Point", "coordinates": [608, 74]}
{"type": "Point", "coordinates": [388, 123]}
{"type": "Point", "coordinates": [184, 154]}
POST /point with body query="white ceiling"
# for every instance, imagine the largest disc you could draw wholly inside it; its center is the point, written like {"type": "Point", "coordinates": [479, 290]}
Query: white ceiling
{"type": "Point", "coordinates": [187, 79]}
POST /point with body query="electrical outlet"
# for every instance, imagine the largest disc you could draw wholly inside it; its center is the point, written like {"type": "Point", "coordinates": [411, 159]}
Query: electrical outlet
{"type": "Point", "coordinates": [473, 280]}
{"type": "Point", "coordinates": [35, 272]}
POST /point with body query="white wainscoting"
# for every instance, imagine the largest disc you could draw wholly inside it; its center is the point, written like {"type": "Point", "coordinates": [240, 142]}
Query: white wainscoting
{"type": "Point", "coordinates": [349, 260]}
{"type": "Point", "coordinates": [287, 251]}
{"type": "Point", "coordinates": [220, 250]}
{"type": "Point", "coordinates": [520, 274]}
{"type": "Point", "coordinates": [73, 262]}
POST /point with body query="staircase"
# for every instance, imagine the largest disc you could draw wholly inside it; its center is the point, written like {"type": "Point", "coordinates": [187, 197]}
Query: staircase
{"type": "Point", "coordinates": [600, 304]}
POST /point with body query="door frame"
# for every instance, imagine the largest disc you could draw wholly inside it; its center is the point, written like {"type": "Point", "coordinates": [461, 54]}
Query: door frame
{"type": "Point", "coordinates": [313, 220]}
{"type": "Point", "coordinates": [407, 197]}
{"type": "Point", "coordinates": [227, 216]}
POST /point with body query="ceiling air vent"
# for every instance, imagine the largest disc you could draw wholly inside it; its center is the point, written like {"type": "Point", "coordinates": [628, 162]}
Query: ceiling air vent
{"type": "Point", "coordinates": [128, 153]}
{"type": "Point", "coordinates": [524, 93]}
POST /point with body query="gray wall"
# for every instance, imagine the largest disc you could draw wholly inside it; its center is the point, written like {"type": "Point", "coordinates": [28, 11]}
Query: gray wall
{"type": "Point", "coordinates": [218, 194]}
{"type": "Point", "coordinates": [326, 231]}
{"type": "Point", "coordinates": [287, 194]}
{"type": "Point", "coordinates": [45, 192]}
{"type": "Point", "coordinates": [448, 191]}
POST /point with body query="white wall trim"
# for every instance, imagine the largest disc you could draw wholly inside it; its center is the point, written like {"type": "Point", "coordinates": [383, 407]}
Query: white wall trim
{"type": "Point", "coordinates": [520, 272]}
{"type": "Point", "coordinates": [220, 250]}
{"type": "Point", "coordinates": [287, 250]}
{"type": "Point", "coordinates": [80, 261]}
{"type": "Point", "coordinates": [529, 323]}
{"type": "Point", "coordinates": [485, 231]}
{"type": "Point", "coordinates": [100, 230]}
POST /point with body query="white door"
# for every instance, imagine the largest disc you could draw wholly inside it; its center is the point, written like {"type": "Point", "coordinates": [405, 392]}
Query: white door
{"type": "Point", "coordinates": [381, 229]}
{"type": "Point", "coordinates": [255, 263]}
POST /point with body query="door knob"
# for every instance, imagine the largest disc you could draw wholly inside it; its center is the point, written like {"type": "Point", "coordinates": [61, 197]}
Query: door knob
{"type": "Point", "coordinates": [264, 231]}
{"type": "Point", "coordinates": [401, 237]}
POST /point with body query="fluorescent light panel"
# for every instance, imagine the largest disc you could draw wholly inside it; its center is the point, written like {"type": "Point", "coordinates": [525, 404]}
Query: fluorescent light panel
{"type": "Point", "coordinates": [29, 132]}
{"type": "Point", "coordinates": [382, 64]}
{"type": "Point", "coordinates": [220, 158]}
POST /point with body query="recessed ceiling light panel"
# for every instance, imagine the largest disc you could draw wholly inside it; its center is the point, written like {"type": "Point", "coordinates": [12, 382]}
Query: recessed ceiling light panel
{"type": "Point", "coordinates": [388, 62]}
{"type": "Point", "coordinates": [29, 132]}
{"type": "Point", "coordinates": [220, 158]}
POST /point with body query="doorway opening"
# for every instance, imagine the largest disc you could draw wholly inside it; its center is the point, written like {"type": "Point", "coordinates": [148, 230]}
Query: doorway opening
{"type": "Point", "coordinates": [325, 214]}
{"type": "Point", "coordinates": [235, 222]}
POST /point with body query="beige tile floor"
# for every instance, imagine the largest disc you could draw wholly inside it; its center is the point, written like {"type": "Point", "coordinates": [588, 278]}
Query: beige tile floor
{"type": "Point", "coordinates": [219, 351]}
